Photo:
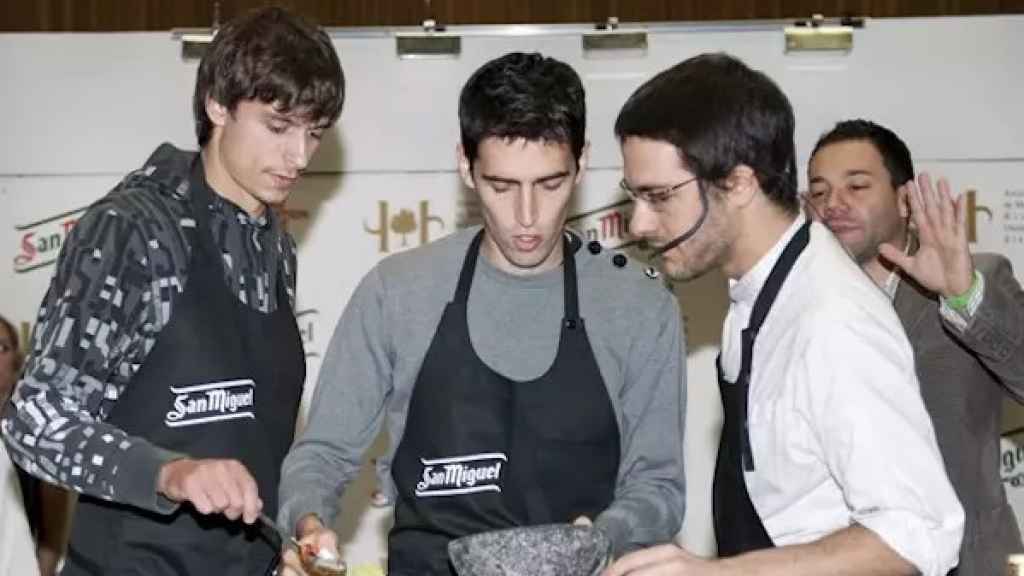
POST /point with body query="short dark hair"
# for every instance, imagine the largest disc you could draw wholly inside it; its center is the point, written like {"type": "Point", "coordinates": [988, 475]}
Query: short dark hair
{"type": "Point", "coordinates": [525, 96]}
{"type": "Point", "coordinates": [272, 56]}
{"type": "Point", "coordinates": [719, 114]}
{"type": "Point", "coordinates": [894, 152]}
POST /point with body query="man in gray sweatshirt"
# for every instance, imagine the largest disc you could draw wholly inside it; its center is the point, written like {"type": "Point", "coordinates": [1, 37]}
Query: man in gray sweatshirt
{"type": "Point", "coordinates": [525, 377]}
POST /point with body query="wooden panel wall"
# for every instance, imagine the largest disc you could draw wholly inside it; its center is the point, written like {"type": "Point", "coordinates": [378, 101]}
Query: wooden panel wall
{"type": "Point", "coordinates": [120, 15]}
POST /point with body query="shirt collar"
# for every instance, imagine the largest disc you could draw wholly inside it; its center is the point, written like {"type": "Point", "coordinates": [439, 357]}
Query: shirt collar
{"type": "Point", "coordinates": [745, 290]}
{"type": "Point", "coordinates": [230, 210]}
{"type": "Point", "coordinates": [892, 281]}
{"type": "Point", "coordinates": [225, 208]}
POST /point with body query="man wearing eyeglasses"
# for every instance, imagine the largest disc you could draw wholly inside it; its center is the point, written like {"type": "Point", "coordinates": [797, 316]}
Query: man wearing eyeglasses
{"type": "Point", "coordinates": [827, 462]}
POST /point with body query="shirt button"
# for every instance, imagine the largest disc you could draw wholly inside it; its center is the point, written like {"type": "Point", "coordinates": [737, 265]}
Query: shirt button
{"type": "Point", "coordinates": [619, 260]}
{"type": "Point", "coordinates": [594, 246]}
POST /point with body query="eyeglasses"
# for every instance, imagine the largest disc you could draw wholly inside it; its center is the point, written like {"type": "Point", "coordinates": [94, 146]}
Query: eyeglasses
{"type": "Point", "coordinates": [654, 197]}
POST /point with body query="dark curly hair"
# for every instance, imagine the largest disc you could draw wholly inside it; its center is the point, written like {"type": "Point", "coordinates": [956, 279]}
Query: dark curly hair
{"type": "Point", "coordinates": [272, 56]}
{"type": "Point", "coordinates": [894, 152]}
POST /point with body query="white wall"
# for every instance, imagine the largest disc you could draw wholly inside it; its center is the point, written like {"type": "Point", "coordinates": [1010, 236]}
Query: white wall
{"type": "Point", "coordinates": [82, 109]}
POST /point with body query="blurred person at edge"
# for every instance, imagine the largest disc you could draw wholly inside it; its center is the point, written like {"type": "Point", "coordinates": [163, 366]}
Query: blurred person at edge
{"type": "Point", "coordinates": [17, 549]}
{"type": "Point", "coordinates": [47, 507]}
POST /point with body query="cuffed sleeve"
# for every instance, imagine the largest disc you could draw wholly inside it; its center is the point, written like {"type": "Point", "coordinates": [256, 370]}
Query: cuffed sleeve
{"type": "Point", "coordinates": [91, 333]}
{"type": "Point", "coordinates": [877, 440]}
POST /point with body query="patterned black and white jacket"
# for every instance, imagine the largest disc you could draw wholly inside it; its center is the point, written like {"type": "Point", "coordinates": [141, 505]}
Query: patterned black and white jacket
{"type": "Point", "coordinates": [114, 289]}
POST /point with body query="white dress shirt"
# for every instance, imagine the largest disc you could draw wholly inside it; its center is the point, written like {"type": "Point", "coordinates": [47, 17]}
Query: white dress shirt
{"type": "Point", "coordinates": [838, 430]}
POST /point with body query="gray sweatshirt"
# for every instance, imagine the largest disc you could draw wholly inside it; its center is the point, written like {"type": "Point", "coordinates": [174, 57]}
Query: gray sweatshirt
{"type": "Point", "coordinates": [374, 357]}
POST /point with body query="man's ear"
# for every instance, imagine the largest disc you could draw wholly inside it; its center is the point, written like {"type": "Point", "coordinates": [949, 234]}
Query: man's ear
{"type": "Point", "coordinates": [741, 185]}
{"type": "Point", "coordinates": [217, 112]}
{"type": "Point", "coordinates": [465, 167]}
{"type": "Point", "coordinates": [581, 165]}
{"type": "Point", "coordinates": [903, 200]}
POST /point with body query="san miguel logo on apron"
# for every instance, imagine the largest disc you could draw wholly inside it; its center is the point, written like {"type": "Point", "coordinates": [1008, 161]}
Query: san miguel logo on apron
{"type": "Point", "coordinates": [461, 475]}
{"type": "Point", "coordinates": [212, 402]}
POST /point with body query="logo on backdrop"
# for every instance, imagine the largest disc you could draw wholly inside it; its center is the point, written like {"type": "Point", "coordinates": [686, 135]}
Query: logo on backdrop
{"type": "Point", "coordinates": [973, 208]}
{"type": "Point", "coordinates": [213, 402]}
{"type": "Point", "coordinates": [607, 224]}
{"type": "Point", "coordinates": [39, 242]}
{"type": "Point", "coordinates": [400, 230]}
{"type": "Point", "coordinates": [406, 228]}
{"type": "Point", "coordinates": [307, 321]}
{"type": "Point", "coordinates": [1012, 459]}
{"type": "Point", "coordinates": [1013, 218]}
{"type": "Point", "coordinates": [461, 475]}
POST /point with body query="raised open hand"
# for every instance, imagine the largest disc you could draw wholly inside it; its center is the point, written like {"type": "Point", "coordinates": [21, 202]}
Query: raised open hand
{"type": "Point", "coordinates": [942, 263]}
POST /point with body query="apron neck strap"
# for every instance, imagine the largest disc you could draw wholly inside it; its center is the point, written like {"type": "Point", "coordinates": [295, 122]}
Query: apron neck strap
{"type": "Point", "coordinates": [572, 305]}
{"type": "Point", "coordinates": [468, 268]}
{"type": "Point", "coordinates": [766, 297]}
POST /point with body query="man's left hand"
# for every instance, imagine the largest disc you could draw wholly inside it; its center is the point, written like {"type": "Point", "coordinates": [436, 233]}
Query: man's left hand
{"type": "Point", "coordinates": [942, 263]}
{"type": "Point", "coordinates": [665, 560]}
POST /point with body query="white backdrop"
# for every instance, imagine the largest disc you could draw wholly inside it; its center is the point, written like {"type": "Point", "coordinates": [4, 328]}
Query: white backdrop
{"type": "Point", "coordinates": [82, 109]}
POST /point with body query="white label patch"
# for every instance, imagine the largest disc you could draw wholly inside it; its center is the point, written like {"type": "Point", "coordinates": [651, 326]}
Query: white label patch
{"type": "Point", "coordinates": [461, 475]}
{"type": "Point", "coordinates": [213, 402]}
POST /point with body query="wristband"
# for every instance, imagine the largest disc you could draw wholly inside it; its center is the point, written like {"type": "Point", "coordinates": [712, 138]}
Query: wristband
{"type": "Point", "coordinates": [960, 302]}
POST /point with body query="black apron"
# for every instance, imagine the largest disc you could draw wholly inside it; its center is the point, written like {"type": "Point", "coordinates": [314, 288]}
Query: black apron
{"type": "Point", "coordinates": [738, 528]}
{"type": "Point", "coordinates": [483, 452]}
{"type": "Point", "coordinates": [222, 381]}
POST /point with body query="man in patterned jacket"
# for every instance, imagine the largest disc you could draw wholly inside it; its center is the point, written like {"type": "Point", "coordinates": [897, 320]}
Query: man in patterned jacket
{"type": "Point", "coordinates": [166, 367]}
